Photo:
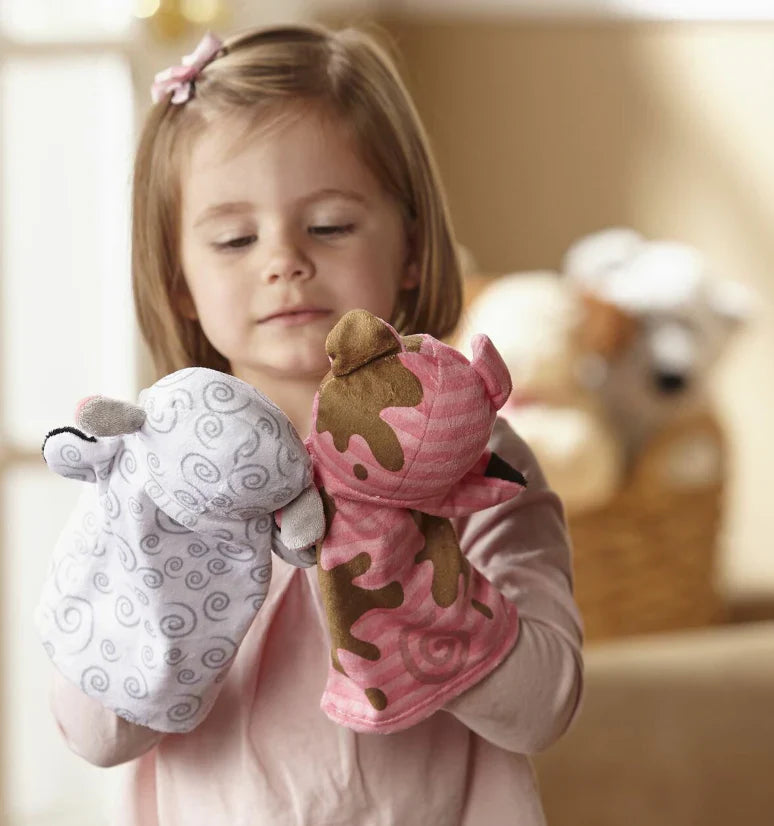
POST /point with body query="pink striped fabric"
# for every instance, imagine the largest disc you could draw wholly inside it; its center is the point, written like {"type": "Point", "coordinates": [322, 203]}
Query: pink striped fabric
{"type": "Point", "coordinates": [399, 651]}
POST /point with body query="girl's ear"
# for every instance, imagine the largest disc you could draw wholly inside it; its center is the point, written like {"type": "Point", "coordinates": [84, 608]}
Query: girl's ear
{"type": "Point", "coordinates": [410, 278]}
{"type": "Point", "coordinates": [182, 301]}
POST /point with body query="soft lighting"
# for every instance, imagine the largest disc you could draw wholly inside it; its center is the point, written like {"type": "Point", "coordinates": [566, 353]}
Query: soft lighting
{"type": "Point", "coordinates": [146, 8]}
{"type": "Point", "coordinates": [201, 11]}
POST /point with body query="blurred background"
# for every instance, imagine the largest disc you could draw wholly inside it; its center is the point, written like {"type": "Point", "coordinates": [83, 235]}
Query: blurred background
{"type": "Point", "coordinates": [551, 120]}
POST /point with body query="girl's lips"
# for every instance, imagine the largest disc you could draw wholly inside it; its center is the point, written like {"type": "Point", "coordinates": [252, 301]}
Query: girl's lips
{"type": "Point", "coordinates": [295, 318]}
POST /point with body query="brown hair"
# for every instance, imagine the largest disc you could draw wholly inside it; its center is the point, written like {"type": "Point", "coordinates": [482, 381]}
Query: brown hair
{"type": "Point", "coordinates": [350, 74]}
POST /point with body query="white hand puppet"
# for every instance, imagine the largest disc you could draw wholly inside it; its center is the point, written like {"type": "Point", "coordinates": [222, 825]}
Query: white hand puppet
{"type": "Point", "coordinates": [166, 560]}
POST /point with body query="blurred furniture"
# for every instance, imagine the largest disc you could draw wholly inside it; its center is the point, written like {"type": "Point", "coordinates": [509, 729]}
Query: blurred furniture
{"type": "Point", "coordinates": [647, 560]}
{"type": "Point", "coordinates": [675, 730]}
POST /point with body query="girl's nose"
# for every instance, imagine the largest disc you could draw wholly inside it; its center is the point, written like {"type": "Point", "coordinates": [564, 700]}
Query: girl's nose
{"type": "Point", "coordinates": [287, 263]}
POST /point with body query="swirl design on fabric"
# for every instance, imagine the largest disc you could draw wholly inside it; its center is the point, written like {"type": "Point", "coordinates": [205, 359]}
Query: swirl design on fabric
{"type": "Point", "coordinates": [95, 678]}
{"type": "Point", "coordinates": [149, 544]}
{"type": "Point", "coordinates": [184, 710]}
{"type": "Point", "coordinates": [180, 624]}
{"type": "Point", "coordinates": [219, 397]}
{"type": "Point", "coordinates": [174, 656]}
{"type": "Point", "coordinates": [433, 657]}
{"type": "Point", "coordinates": [187, 676]}
{"type": "Point", "coordinates": [109, 651]}
{"type": "Point", "coordinates": [147, 656]}
{"type": "Point", "coordinates": [173, 566]}
{"type": "Point", "coordinates": [196, 581]}
{"type": "Point", "coordinates": [215, 606]}
{"type": "Point", "coordinates": [163, 414]}
{"type": "Point", "coordinates": [126, 612]}
{"type": "Point", "coordinates": [198, 549]}
{"type": "Point", "coordinates": [136, 686]}
{"type": "Point", "coordinates": [102, 582]}
{"type": "Point", "coordinates": [220, 655]}
{"type": "Point", "coordinates": [239, 552]}
{"type": "Point", "coordinates": [74, 616]}
{"type": "Point", "coordinates": [248, 479]}
{"type": "Point", "coordinates": [127, 464]}
{"type": "Point", "coordinates": [125, 553]}
{"type": "Point", "coordinates": [217, 567]}
{"type": "Point", "coordinates": [152, 577]}
{"type": "Point", "coordinates": [208, 429]}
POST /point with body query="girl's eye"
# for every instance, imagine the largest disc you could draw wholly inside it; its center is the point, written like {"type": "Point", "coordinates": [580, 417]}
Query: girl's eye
{"type": "Point", "coordinates": [236, 243]}
{"type": "Point", "coordinates": [329, 231]}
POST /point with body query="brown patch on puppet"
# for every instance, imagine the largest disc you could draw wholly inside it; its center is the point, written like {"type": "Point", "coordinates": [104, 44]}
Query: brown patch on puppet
{"type": "Point", "coordinates": [484, 609]}
{"type": "Point", "coordinates": [377, 698]}
{"type": "Point", "coordinates": [345, 603]}
{"type": "Point", "coordinates": [413, 344]}
{"type": "Point", "coordinates": [443, 550]}
{"type": "Point", "coordinates": [358, 338]}
{"type": "Point", "coordinates": [329, 511]}
{"type": "Point", "coordinates": [351, 404]}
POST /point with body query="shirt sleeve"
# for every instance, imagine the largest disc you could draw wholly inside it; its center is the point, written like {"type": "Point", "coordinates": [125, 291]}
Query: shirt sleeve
{"type": "Point", "coordinates": [94, 732]}
{"type": "Point", "coordinates": [522, 547]}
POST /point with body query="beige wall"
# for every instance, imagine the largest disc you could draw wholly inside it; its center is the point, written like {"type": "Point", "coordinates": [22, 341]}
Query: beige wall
{"type": "Point", "coordinates": [544, 132]}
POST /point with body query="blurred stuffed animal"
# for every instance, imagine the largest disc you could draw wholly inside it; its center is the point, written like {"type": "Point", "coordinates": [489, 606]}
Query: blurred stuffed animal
{"type": "Point", "coordinates": [399, 444]}
{"type": "Point", "coordinates": [164, 564]}
{"type": "Point", "coordinates": [663, 318]}
{"type": "Point", "coordinates": [538, 326]}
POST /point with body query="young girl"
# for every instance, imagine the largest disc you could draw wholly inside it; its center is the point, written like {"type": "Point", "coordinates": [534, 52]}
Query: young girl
{"type": "Point", "coordinates": [283, 179]}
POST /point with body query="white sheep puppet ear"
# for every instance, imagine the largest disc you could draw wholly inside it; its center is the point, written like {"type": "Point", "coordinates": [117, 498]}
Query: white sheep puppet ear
{"type": "Point", "coordinates": [102, 416]}
{"type": "Point", "coordinates": [77, 455]}
{"type": "Point", "coordinates": [489, 364]}
{"type": "Point", "coordinates": [731, 301]}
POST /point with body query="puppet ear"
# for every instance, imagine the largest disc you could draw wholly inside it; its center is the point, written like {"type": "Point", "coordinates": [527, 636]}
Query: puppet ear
{"type": "Point", "coordinates": [489, 364]}
{"type": "Point", "coordinates": [74, 454]}
{"type": "Point", "coordinates": [358, 338]}
{"type": "Point", "coordinates": [102, 416]}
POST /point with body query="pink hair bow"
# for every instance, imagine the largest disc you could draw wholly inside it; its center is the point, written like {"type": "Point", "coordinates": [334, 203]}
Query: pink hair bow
{"type": "Point", "coordinates": [179, 79]}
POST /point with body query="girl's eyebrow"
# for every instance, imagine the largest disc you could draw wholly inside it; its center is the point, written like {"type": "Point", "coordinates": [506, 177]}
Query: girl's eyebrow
{"type": "Point", "coordinates": [238, 207]}
{"type": "Point", "coordinates": [332, 192]}
{"type": "Point", "coordinates": [226, 208]}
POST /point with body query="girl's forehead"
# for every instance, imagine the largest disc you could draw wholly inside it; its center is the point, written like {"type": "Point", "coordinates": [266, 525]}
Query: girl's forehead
{"type": "Point", "coordinates": [290, 146]}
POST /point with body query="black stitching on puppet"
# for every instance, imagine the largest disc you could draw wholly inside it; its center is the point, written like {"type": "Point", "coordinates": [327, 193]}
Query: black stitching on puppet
{"type": "Point", "coordinates": [74, 430]}
{"type": "Point", "coordinates": [500, 469]}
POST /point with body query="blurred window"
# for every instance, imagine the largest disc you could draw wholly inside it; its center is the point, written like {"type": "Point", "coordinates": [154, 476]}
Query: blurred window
{"type": "Point", "coordinates": [66, 331]}
{"type": "Point", "coordinates": [40, 20]}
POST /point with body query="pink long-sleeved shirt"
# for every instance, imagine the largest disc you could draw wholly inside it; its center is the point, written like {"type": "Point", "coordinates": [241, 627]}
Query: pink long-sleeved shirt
{"type": "Point", "coordinates": [267, 755]}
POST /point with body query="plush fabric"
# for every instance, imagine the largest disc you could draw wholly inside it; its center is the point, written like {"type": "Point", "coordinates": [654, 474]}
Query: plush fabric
{"type": "Point", "coordinates": [165, 562]}
{"type": "Point", "coordinates": [399, 445]}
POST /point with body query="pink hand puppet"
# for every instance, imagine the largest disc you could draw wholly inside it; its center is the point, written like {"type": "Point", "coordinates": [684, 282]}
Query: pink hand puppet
{"type": "Point", "coordinates": [399, 445]}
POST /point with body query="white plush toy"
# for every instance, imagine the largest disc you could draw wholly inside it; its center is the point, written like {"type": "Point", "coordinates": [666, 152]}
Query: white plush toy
{"type": "Point", "coordinates": [164, 564]}
{"type": "Point", "coordinates": [536, 323]}
{"type": "Point", "coordinates": [676, 316]}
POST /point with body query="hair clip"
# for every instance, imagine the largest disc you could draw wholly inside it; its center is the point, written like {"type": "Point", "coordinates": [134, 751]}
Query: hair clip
{"type": "Point", "coordinates": [180, 79]}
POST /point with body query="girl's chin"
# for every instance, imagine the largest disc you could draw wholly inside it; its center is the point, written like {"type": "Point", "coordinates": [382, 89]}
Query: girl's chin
{"type": "Point", "coordinates": [294, 368]}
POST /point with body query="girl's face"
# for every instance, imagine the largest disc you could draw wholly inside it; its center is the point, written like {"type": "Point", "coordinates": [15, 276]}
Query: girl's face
{"type": "Point", "coordinates": [280, 238]}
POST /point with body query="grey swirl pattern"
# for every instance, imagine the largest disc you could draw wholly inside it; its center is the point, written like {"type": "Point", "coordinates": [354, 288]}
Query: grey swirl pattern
{"type": "Point", "coordinates": [208, 429]}
{"type": "Point", "coordinates": [161, 568]}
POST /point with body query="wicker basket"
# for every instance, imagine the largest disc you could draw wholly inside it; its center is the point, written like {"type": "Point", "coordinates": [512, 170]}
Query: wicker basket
{"type": "Point", "coordinates": [646, 562]}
